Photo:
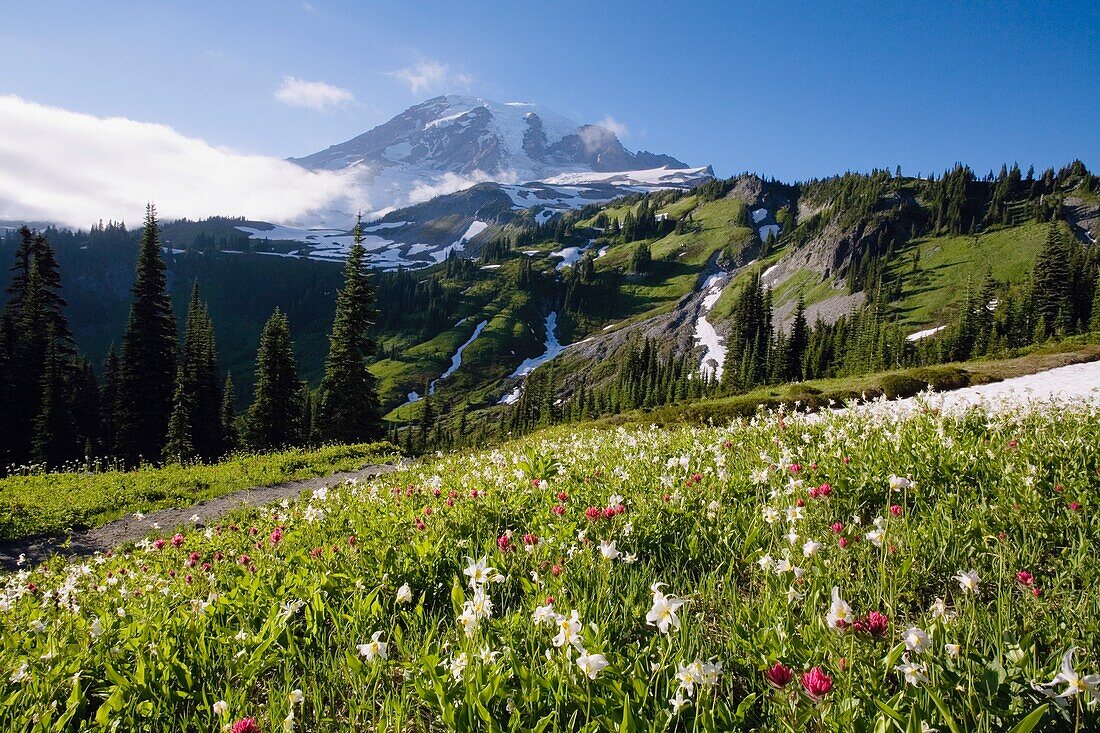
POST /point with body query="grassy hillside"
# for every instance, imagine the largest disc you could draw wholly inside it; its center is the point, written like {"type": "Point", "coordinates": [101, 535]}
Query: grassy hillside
{"type": "Point", "coordinates": [53, 503]}
{"type": "Point", "coordinates": [772, 575]}
{"type": "Point", "coordinates": [932, 292]}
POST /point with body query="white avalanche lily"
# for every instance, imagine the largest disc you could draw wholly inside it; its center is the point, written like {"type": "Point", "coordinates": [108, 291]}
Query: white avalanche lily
{"type": "Point", "coordinates": [663, 613]}
{"type": "Point", "coordinates": [404, 594]}
{"type": "Point", "coordinates": [916, 640]}
{"type": "Point", "coordinates": [375, 648]}
{"type": "Point", "coordinates": [968, 580]}
{"type": "Point", "coordinates": [1075, 683]}
{"type": "Point", "coordinates": [569, 630]}
{"type": "Point", "coordinates": [608, 550]}
{"type": "Point", "coordinates": [591, 664]}
{"type": "Point", "coordinates": [839, 611]}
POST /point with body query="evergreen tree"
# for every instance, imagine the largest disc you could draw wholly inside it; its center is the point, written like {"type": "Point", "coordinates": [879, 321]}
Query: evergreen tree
{"type": "Point", "coordinates": [200, 384]}
{"type": "Point", "coordinates": [55, 440]}
{"type": "Point", "coordinates": [178, 446]}
{"type": "Point", "coordinates": [275, 418]}
{"type": "Point", "coordinates": [32, 323]}
{"type": "Point", "coordinates": [148, 363]}
{"type": "Point", "coordinates": [349, 411]}
{"type": "Point", "coordinates": [87, 410]}
{"type": "Point", "coordinates": [108, 399]}
{"type": "Point", "coordinates": [230, 437]}
{"type": "Point", "coordinates": [1050, 284]}
{"type": "Point", "coordinates": [797, 344]}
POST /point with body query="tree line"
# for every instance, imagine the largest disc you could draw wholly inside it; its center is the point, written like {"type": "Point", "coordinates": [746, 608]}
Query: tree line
{"type": "Point", "coordinates": [161, 397]}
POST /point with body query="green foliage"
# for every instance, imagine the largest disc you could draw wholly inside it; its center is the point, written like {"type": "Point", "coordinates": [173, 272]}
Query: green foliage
{"type": "Point", "coordinates": [348, 409]}
{"type": "Point", "coordinates": [147, 366]}
{"type": "Point", "coordinates": [54, 503]}
{"type": "Point", "coordinates": [310, 607]}
{"type": "Point", "coordinates": [274, 420]}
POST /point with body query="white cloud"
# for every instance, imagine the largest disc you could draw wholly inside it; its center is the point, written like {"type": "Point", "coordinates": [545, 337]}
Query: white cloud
{"type": "Point", "coordinates": [426, 190]}
{"type": "Point", "coordinates": [620, 129]}
{"type": "Point", "coordinates": [431, 76]}
{"type": "Point", "coordinates": [75, 169]}
{"type": "Point", "coordinates": [312, 94]}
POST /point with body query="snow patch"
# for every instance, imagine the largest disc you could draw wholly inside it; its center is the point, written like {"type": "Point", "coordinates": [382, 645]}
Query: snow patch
{"type": "Point", "coordinates": [768, 229]}
{"type": "Point", "coordinates": [456, 360]}
{"type": "Point", "coordinates": [714, 354]}
{"type": "Point", "coordinates": [924, 334]}
{"type": "Point", "coordinates": [759, 215]}
{"type": "Point", "coordinates": [571, 255]}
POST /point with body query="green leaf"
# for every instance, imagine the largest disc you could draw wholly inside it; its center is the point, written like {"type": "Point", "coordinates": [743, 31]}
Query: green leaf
{"type": "Point", "coordinates": [889, 711]}
{"type": "Point", "coordinates": [1027, 724]}
{"type": "Point", "coordinates": [947, 719]}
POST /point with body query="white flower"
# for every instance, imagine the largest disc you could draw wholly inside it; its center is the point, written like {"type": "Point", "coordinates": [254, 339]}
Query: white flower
{"type": "Point", "coordinates": [679, 701]}
{"type": "Point", "coordinates": [916, 640]}
{"type": "Point", "coordinates": [296, 697]}
{"type": "Point", "coordinates": [20, 674]}
{"type": "Point", "coordinates": [1075, 683]}
{"type": "Point", "coordinates": [457, 665]}
{"type": "Point", "coordinates": [771, 515]}
{"type": "Point", "coordinates": [615, 501]}
{"type": "Point", "coordinates": [194, 519]}
{"type": "Point", "coordinates": [875, 537]}
{"type": "Point", "coordinates": [765, 562]}
{"type": "Point", "coordinates": [968, 580]}
{"type": "Point", "coordinates": [544, 615]}
{"type": "Point", "coordinates": [795, 513]}
{"type": "Point", "coordinates": [897, 483]}
{"type": "Point", "coordinates": [487, 656]}
{"type": "Point", "coordinates": [608, 550]}
{"type": "Point", "coordinates": [663, 613]}
{"type": "Point", "coordinates": [569, 630]}
{"type": "Point", "coordinates": [479, 571]}
{"type": "Point", "coordinates": [952, 650]}
{"type": "Point", "coordinates": [374, 648]}
{"type": "Point", "coordinates": [220, 708]}
{"type": "Point", "coordinates": [591, 664]}
{"type": "Point", "coordinates": [629, 558]}
{"type": "Point", "coordinates": [792, 536]}
{"type": "Point", "coordinates": [913, 673]}
{"type": "Point", "coordinates": [839, 611]}
{"type": "Point", "coordinates": [95, 629]}
{"type": "Point", "coordinates": [793, 595]}
{"type": "Point", "coordinates": [810, 548]}
{"type": "Point", "coordinates": [404, 594]}
{"type": "Point", "coordinates": [939, 610]}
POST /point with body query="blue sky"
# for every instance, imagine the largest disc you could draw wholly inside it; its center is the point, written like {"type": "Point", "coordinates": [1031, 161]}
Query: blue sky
{"type": "Point", "coordinates": [791, 90]}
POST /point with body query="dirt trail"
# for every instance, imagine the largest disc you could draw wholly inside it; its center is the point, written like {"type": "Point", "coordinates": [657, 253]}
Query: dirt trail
{"type": "Point", "coordinates": [130, 528]}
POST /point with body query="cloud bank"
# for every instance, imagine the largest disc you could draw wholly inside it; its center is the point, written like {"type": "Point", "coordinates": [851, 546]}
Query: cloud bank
{"type": "Point", "coordinates": [311, 94]}
{"type": "Point", "coordinates": [426, 76]}
{"type": "Point", "coordinates": [75, 169]}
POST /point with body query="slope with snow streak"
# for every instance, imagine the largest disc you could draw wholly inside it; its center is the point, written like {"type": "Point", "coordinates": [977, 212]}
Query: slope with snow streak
{"type": "Point", "coordinates": [571, 255]}
{"type": "Point", "coordinates": [714, 355]}
{"type": "Point", "coordinates": [553, 349]}
{"type": "Point", "coordinates": [456, 360]}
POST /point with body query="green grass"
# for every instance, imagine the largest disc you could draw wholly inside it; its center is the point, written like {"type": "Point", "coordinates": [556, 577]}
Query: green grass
{"type": "Point", "coordinates": [947, 264]}
{"type": "Point", "coordinates": [274, 617]}
{"type": "Point", "coordinates": [55, 503]}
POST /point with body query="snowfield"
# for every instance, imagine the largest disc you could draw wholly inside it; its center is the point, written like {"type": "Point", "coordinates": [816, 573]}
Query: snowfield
{"type": "Point", "coordinates": [714, 354]}
{"type": "Point", "coordinates": [924, 334]}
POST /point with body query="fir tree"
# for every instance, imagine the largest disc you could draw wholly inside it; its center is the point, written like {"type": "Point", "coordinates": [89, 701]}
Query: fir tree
{"type": "Point", "coordinates": [275, 418]}
{"type": "Point", "coordinates": [55, 440]}
{"type": "Point", "coordinates": [108, 399]}
{"type": "Point", "coordinates": [1050, 284]}
{"type": "Point", "coordinates": [348, 409]}
{"type": "Point", "coordinates": [200, 383]}
{"type": "Point", "coordinates": [230, 436]}
{"type": "Point", "coordinates": [148, 363]}
{"type": "Point", "coordinates": [178, 446]}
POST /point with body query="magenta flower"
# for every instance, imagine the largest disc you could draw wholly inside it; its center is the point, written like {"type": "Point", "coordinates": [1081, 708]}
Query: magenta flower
{"type": "Point", "coordinates": [779, 675]}
{"type": "Point", "coordinates": [817, 683]}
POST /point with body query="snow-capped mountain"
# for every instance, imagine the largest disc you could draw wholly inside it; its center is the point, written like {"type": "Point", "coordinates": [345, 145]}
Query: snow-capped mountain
{"type": "Point", "coordinates": [444, 173]}
{"type": "Point", "coordinates": [483, 140]}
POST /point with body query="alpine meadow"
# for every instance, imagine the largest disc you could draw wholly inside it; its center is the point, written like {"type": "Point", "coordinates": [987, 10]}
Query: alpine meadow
{"type": "Point", "coordinates": [485, 419]}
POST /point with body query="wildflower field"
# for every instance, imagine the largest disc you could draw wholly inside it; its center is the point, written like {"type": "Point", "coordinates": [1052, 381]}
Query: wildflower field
{"type": "Point", "coordinates": [865, 570]}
